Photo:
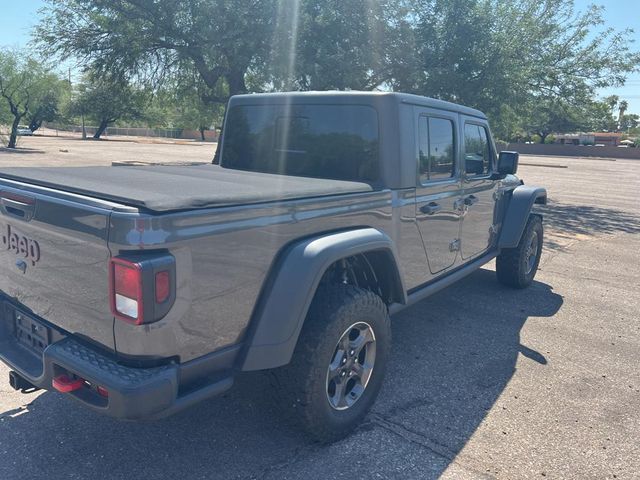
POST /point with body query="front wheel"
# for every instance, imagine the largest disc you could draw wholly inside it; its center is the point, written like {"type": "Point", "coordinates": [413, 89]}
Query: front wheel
{"type": "Point", "coordinates": [516, 267]}
{"type": "Point", "coordinates": [339, 363]}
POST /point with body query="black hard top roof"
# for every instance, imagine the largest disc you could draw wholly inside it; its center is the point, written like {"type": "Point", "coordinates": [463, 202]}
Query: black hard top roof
{"type": "Point", "coordinates": [347, 96]}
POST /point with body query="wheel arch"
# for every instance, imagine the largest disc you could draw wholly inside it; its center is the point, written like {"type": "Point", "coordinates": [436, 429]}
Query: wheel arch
{"type": "Point", "coordinates": [294, 279]}
{"type": "Point", "coordinates": [517, 213]}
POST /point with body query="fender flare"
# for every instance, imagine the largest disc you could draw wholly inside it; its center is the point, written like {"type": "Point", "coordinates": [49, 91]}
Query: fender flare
{"type": "Point", "coordinates": [515, 220]}
{"type": "Point", "coordinates": [291, 285]}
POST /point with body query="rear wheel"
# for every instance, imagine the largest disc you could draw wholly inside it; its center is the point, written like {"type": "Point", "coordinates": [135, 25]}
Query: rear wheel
{"type": "Point", "coordinates": [516, 267]}
{"type": "Point", "coordinates": [339, 363]}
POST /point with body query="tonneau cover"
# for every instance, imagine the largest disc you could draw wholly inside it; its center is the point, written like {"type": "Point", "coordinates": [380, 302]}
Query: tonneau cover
{"type": "Point", "coordinates": [163, 188]}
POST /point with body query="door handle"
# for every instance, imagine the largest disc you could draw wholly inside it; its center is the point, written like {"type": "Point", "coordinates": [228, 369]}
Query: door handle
{"type": "Point", "coordinates": [430, 208]}
{"type": "Point", "coordinates": [17, 206]}
{"type": "Point", "coordinates": [470, 200]}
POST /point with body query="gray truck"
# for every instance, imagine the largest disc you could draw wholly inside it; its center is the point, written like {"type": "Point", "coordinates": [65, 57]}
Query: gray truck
{"type": "Point", "coordinates": [140, 291]}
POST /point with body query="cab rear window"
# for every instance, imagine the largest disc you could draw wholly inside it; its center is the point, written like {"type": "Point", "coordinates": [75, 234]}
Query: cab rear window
{"type": "Point", "coordinates": [322, 141]}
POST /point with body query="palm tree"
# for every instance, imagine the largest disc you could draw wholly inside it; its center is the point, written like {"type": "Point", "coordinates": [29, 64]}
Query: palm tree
{"type": "Point", "coordinates": [612, 101]}
{"type": "Point", "coordinates": [622, 108]}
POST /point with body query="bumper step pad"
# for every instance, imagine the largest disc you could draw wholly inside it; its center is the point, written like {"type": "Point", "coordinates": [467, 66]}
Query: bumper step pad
{"type": "Point", "coordinates": [133, 392]}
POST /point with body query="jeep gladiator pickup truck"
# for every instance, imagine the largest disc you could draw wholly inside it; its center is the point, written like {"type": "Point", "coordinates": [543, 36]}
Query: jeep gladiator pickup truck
{"type": "Point", "coordinates": [140, 291]}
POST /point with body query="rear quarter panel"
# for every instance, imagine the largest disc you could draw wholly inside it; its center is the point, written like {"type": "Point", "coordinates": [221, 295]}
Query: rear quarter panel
{"type": "Point", "coordinates": [223, 256]}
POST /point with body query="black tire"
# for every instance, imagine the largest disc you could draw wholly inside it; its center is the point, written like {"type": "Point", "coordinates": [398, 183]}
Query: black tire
{"type": "Point", "coordinates": [304, 387]}
{"type": "Point", "coordinates": [517, 267]}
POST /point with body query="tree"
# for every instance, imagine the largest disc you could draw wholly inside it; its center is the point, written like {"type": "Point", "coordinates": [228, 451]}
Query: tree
{"type": "Point", "coordinates": [492, 53]}
{"type": "Point", "coordinates": [330, 45]}
{"type": "Point", "coordinates": [106, 101]}
{"type": "Point", "coordinates": [622, 108]}
{"type": "Point", "coordinates": [612, 101]}
{"type": "Point", "coordinates": [194, 113]}
{"type": "Point", "coordinates": [16, 84]}
{"type": "Point", "coordinates": [629, 121]}
{"type": "Point", "coordinates": [501, 56]}
{"type": "Point", "coordinates": [563, 117]}
{"type": "Point", "coordinates": [46, 99]}
{"type": "Point", "coordinates": [233, 46]}
{"type": "Point", "coordinates": [148, 40]}
{"type": "Point", "coordinates": [28, 90]}
{"type": "Point", "coordinates": [181, 106]}
{"type": "Point", "coordinates": [598, 116]}
{"type": "Point", "coordinates": [47, 110]}
{"type": "Point", "coordinates": [5, 114]}
{"type": "Point", "coordinates": [549, 117]}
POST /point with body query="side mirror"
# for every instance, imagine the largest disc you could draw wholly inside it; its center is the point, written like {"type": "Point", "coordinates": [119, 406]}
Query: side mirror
{"type": "Point", "coordinates": [508, 162]}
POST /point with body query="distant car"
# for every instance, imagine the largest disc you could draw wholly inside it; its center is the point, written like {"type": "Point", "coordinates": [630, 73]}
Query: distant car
{"type": "Point", "coordinates": [599, 144]}
{"type": "Point", "coordinates": [24, 131]}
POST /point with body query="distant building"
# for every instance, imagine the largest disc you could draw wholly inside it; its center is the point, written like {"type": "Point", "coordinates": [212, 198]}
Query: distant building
{"type": "Point", "coordinates": [609, 139]}
{"type": "Point", "coordinates": [574, 139]}
{"type": "Point", "coordinates": [595, 138]}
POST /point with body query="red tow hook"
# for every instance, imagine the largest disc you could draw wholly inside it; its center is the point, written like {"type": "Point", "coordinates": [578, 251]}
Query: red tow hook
{"type": "Point", "coordinates": [64, 384]}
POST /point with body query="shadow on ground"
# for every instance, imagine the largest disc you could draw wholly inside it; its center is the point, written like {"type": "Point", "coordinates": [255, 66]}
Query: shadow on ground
{"type": "Point", "coordinates": [20, 150]}
{"type": "Point", "coordinates": [453, 356]}
{"type": "Point", "coordinates": [577, 221]}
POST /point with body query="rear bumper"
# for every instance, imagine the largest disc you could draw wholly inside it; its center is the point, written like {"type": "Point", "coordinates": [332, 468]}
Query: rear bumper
{"type": "Point", "coordinates": [133, 393]}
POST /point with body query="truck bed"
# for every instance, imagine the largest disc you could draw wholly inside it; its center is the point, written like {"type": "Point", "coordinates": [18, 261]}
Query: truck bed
{"type": "Point", "coordinates": [166, 188]}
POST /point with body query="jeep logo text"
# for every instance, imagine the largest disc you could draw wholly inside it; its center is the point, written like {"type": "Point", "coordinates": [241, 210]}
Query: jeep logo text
{"type": "Point", "coordinates": [21, 245]}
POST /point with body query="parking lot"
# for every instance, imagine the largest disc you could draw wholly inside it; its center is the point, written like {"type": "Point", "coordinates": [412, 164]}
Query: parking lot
{"type": "Point", "coordinates": [485, 382]}
{"type": "Point", "coordinates": [65, 149]}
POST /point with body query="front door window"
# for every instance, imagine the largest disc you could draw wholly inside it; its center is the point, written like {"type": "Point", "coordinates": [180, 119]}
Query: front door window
{"type": "Point", "coordinates": [477, 152]}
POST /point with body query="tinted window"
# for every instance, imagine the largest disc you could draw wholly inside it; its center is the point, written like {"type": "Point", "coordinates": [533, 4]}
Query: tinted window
{"type": "Point", "coordinates": [477, 153]}
{"type": "Point", "coordinates": [322, 141]}
{"type": "Point", "coordinates": [437, 159]}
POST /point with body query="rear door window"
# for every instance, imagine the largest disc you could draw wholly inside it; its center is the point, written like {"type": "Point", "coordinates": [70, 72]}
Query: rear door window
{"type": "Point", "coordinates": [437, 148]}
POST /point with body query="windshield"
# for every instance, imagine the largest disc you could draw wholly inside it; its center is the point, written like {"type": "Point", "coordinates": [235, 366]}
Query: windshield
{"type": "Point", "coordinates": [322, 141]}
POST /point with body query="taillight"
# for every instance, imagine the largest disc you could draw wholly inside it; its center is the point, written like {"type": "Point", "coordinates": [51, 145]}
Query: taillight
{"type": "Point", "coordinates": [142, 287]}
{"type": "Point", "coordinates": [126, 285]}
{"type": "Point", "coordinates": [163, 286]}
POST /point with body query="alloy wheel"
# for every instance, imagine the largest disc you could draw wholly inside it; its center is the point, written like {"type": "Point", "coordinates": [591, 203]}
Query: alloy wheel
{"type": "Point", "coordinates": [351, 366]}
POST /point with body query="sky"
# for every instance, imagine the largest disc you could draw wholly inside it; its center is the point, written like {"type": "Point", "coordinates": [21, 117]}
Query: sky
{"type": "Point", "coordinates": [18, 17]}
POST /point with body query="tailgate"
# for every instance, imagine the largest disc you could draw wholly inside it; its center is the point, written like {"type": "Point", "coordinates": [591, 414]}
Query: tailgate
{"type": "Point", "coordinates": [53, 260]}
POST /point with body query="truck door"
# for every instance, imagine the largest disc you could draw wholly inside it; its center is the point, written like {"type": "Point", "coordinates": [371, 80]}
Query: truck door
{"type": "Point", "coordinates": [477, 231]}
{"type": "Point", "coordinates": [438, 187]}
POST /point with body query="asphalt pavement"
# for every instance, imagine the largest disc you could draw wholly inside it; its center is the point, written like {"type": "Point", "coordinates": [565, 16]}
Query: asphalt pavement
{"type": "Point", "coordinates": [485, 381]}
